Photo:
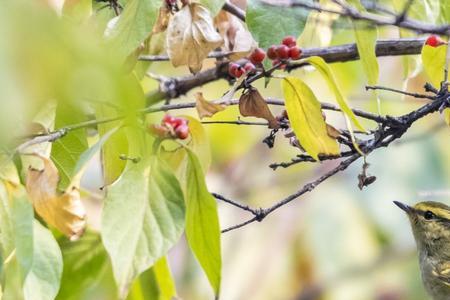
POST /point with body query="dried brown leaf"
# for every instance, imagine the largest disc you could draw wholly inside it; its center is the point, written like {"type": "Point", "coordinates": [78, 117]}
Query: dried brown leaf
{"type": "Point", "coordinates": [63, 211]}
{"type": "Point", "coordinates": [162, 22]}
{"type": "Point", "coordinates": [333, 132]}
{"type": "Point", "coordinates": [191, 36]}
{"type": "Point", "coordinates": [252, 104]}
{"type": "Point", "coordinates": [206, 108]}
{"type": "Point", "coordinates": [237, 39]}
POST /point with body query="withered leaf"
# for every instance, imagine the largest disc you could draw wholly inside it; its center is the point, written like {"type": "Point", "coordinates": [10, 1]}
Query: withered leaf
{"type": "Point", "coordinates": [191, 36]}
{"type": "Point", "coordinates": [162, 21]}
{"type": "Point", "coordinates": [63, 211]}
{"type": "Point", "coordinates": [333, 132]}
{"type": "Point", "coordinates": [252, 104]}
{"type": "Point", "coordinates": [206, 108]}
{"type": "Point", "coordinates": [237, 39]}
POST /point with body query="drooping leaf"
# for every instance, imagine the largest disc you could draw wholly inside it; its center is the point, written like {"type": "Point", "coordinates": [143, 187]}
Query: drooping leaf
{"type": "Point", "coordinates": [252, 104]}
{"type": "Point", "coordinates": [162, 22]}
{"type": "Point", "coordinates": [328, 75]}
{"type": "Point", "coordinates": [202, 222]}
{"type": "Point", "coordinates": [85, 265]}
{"type": "Point", "coordinates": [305, 116]}
{"type": "Point", "coordinates": [433, 60]}
{"type": "Point", "coordinates": [166, 284]}
{"type": "Point", "coordinates": [63, 211]}
{"type": "Point", "coordinates": [135, 24]}
{"type": "Point", "coordinates": [43, 279]}
{"type": "Point", "coordinates": [67, 150]}
{"type": "Point", "coordinates": [206, 108]}
{"type": "Point", "coordinates": [140, 230]}
{"type": "Point", "coordinates": [191, 36]}
{"type": "Point", "coordinates": [366, 39]}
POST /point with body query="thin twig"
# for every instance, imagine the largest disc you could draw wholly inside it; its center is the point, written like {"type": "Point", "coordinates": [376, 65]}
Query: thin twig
{"type": "Point", "coordinates": [234, 10]}
{"type": "Point", "coordinates": [214, 54]}
{"type": "Point", "coordinates": [415, 95]}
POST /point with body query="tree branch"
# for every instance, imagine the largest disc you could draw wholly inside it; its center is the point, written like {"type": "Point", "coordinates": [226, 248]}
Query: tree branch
{"type": "Point", "coordinates": [174, 87]}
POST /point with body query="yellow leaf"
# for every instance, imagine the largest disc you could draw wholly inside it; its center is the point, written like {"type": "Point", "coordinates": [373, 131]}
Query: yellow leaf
{"type": "Point", "coordinates": [305, 116]}
{"type": "Point", "coordinates": [328, 75]}
{"type": "Point", "coordinates": [446, 114]}
{"type": "Point", "coordinates": [191, 36]}
{"type": "Point", "coordinates": [162, 21]}
{"type": "Point", "coordinates": [206, 108]}
{"type": "Point", "coordinates": [252, 104]}
{"type": "Point", "coordinates": [63, 211]}
{"type": "Point", "coordinates": [433, 60]}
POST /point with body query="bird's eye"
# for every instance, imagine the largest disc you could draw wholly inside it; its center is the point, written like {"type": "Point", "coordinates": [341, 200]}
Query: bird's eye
{"type": "Point", "coordinates": [428, 215]}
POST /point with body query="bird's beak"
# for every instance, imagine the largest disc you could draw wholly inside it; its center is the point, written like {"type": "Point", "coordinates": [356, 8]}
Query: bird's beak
{"type": "Point", "coordinates": [404, 207]}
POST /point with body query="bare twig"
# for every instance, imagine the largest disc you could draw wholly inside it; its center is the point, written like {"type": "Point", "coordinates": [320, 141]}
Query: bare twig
{"type": "Point", "coordinates": [234, 10]}
{"type": "Point", "coordinates": [214, 54]}
{"type": "Point", "coordinates": [415, 95]}
{"type": "Point", "coordinates": [380, 20]}
{"type": "Point", "coordinates": [382, 137]}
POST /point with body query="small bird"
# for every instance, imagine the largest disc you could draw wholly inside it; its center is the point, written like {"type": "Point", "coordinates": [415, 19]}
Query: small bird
{"type": "Point", "coordinates": [430, 222]}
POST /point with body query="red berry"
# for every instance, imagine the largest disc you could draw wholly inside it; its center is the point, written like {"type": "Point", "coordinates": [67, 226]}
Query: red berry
{"type": "Point", "coordinates": [271, 52]}
{"type": "Point", "coordinates": [282, 51]}
{"type": "Point", "coordinates": [171, 2]}
{"type": "Point", "coordinates": [239, 72]}
{"type": "Point", "coordinates": [168, 119]}
{"type": "Point", "coordinates": [232, 68]}
{"type": "Point", "coordinates": [178, 122]}
{"type": "Point", "coordinates": [257, 56]}
{"type": "Point", "coordinates": [434, 41]}
{"type": "Point", "coordinates": [249, 67]}
{"type": "Point", "coordinates": [295, 52]}
{"type": "Point", "coordinates": [182, 132]}
{"type": "Point", "coordinates": [289, 41]}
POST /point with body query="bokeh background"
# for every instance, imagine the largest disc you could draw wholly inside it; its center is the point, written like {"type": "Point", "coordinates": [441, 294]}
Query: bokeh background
{"type": "Point", "coordinates": [334, 243]}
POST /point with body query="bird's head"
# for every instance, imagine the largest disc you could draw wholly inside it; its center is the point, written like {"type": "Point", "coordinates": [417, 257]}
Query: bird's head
{"type": "Point", "coordinates": [430, 222]}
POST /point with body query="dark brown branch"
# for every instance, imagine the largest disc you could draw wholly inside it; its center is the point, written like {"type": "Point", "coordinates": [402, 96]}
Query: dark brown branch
{"type": "Point", "coordinates": [214, 54]}
{"type": "Point", "coordinates": [306, 158]}
{"type": "Point", "coordinates": [234, 10]}
{"type": "Point", "coordinates": [175, 87]}
{"type": "Point", "coordinates": [382, 137]}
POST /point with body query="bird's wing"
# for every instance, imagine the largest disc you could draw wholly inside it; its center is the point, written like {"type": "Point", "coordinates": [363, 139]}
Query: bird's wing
{"type": "Point", "coordinates": [442, 272]}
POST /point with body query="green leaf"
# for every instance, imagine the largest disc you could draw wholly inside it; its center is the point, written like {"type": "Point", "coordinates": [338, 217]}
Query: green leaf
{"type": "Point", "coordinates": [67, 150]}
{"type": "Point", "coordinates": [305, 116]}
{"type": "Point", "coordinates": [6, 224]}
{"type": "Point", "coordinates": [202, 222]}
{"type": "Point", "coordinates": [164, 280]}
{"type": "Point", "coordinates": [269, 28]}
{"type": "Point", "coordinates": [328, 75]}
{"type": "Point", "coordinates": [85, 265]}
{"type": "Point", "coordinates": [366, 35]}
{"type": "Point", "coordinates": [87, 155]}
{"type": "Point", "coordinates": [433, 60]}
{"type": "Point", "coordinates": [135, 24]}
{"type": "Point", "coordinates": [214, 6]}
{"type": "Point", "coordinates": [142, 219]}
{"type": "Point", "coordinates": [43, 280]}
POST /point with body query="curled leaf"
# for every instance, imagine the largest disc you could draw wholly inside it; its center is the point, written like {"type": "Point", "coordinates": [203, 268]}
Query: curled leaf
{"type": "Point", "coordinates": [191, 36]}
{"type": "Point", "coordinates": [63, 211]}
{"type": "Point", "coordinates": [237, 39]}
{"type": "Point", "coordinates": [162, 22]}
{"type": "Point", "coordinates": [206, 108]}
{"type": "Point", "coordinates": [253, 104]}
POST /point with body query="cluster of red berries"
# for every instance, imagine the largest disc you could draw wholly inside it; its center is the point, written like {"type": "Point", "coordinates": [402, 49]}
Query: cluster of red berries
{"type": "Point", "coordinates": [237, 70]}
{"type": "Point", "coordinates": [434, 41]}
{"type": "Point", "coordinates": [287, 49]}
{"type": "Point", "coordinates": [255, 58]}
{"type": "Point", "coordinates": [171, 127]}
